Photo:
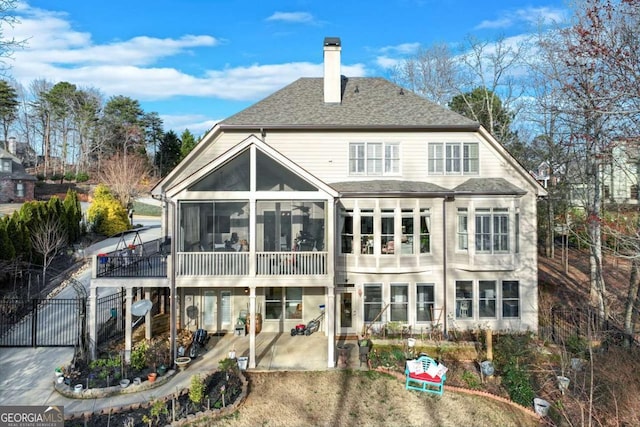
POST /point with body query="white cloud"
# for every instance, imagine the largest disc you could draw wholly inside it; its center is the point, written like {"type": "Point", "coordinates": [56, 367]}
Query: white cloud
{"type": "Point", "coordinates": [56, 52]}
{"type": "Point", "coordinates": [530, 16]}
{"type": "Point", "coordinates": [386, 62]}
{"type": "Point", "coordinates": [297, 17]}
{"type": "Point", "coordinates": [197, 124]}
{"type": "Point", "coordinates": [403, 49]}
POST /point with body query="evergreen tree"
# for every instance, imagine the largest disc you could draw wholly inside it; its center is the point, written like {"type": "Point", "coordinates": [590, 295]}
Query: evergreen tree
{"type": "Point", "coordinates": [188, 143]}
{"type": "Point", "coordinates": [8, 108]}
{"type": "Point", "coordinates": [168, 155]}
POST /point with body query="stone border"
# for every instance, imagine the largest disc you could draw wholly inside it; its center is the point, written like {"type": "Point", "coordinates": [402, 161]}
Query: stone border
{"type": "Point", "coordinates": [480, 393]}
{"type": "Point", "coordinates": [97, 393]}
{"type": "Point", "coordinates": [184, 421]}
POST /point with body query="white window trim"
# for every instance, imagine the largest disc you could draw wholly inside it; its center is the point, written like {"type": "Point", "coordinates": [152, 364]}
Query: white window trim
{"type": "Point", "coordinates": [448, 158]}
{"type": "Point", "coordinates": [386, 167]}
{"type": "Point", "coordinates": [492, 214]}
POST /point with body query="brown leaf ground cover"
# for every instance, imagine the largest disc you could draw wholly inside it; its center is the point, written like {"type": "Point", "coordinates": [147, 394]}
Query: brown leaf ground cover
{"type": "Point", "coordinates": [362, 398]}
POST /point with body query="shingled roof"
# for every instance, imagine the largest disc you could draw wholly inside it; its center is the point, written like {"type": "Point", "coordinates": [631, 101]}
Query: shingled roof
{"type": "Point", "coordinates": [490, 186]}
{"type": "Point", "coordinates": [373, 103]}
{"type": "Point", "coordinates": [388, 187]}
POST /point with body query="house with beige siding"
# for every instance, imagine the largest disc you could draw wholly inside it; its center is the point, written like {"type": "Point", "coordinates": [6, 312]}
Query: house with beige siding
{"type": "Point", "coordinates": [357, 198]}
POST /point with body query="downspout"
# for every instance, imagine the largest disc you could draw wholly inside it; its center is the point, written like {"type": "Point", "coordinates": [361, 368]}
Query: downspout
{"type": "Point", "coordinates": [172, 280]}
{"type": "Point", "coordinates": [174, 263]}
{"type": "Point", "coordinates": [444, 260]}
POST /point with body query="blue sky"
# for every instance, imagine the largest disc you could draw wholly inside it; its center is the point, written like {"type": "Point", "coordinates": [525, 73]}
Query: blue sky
{"type": "Point", "coordinates": [195, 62]}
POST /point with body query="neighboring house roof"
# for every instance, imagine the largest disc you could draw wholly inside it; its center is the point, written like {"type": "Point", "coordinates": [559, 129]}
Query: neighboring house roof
{"type": "Point", "coordinates": [489, 186]}
{"type": "Point", "coordinates": [380, 188]}
{"type": "Point", "coordinates": [372, 103]}
{"type": "Point", "coordinates": [18, 171]}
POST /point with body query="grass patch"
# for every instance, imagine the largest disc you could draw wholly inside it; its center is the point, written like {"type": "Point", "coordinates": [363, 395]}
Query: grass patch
{"type": "Point", "coordinates": [146, 210]}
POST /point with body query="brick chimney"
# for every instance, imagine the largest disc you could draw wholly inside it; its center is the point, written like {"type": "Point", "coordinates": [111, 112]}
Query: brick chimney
{"type": "Point", "coordinates": [332, 76]}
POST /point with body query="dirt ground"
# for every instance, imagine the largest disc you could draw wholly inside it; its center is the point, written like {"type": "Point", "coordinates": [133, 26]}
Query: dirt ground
{"type": "Point", "coordinates": [346, 398]}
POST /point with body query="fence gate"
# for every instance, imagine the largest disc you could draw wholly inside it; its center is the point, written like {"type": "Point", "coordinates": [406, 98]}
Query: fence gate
{"type": "Point", "coordinates": [43, 322]}
{"type": "Point", "coordinates": [110, 318]}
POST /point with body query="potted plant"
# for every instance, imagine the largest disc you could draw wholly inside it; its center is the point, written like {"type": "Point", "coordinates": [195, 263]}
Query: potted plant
{"type": "Point", "coordinates": [364, 348]}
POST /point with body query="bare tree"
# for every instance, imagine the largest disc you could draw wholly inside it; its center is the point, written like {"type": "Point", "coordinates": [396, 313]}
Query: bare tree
{"type": "Point", "coordinates": [489, 68]}
{"type": "Point", "coordinates": [48, 237]}
{"type": "Point", "coordinates": [126, 175]}
{"type": "Point", "coordinates": [432, 73]}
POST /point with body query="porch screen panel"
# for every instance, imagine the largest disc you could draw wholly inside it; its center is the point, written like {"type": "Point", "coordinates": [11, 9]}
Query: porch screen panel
{"type": "Point", "coordinates": [273, 176]}
{"type": "Point", "coordinates": [366, 230]}
{"type": "Point", "coordinates": [195, 225]}
{"type": "Point", "coordinates": [425, 231]}
{"type": "Point", "coordinates": [346, 234]}
{"type": "Point", "coordinates": [232, 176]}
{"type": "Point", "coordinates": [407, 231]}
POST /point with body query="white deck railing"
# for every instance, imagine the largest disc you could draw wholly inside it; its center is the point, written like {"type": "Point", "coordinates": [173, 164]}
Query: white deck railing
{"type": "Point", "coordinates": [213, 264]}
{"type": "Point", "coordinates": [237, 263]}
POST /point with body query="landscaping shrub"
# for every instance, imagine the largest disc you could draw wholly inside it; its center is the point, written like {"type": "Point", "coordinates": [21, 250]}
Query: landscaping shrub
{"type": "Point", "coordinates": [69, 176]}
{"type": "Point", "coordinates": [518, 383]}
{"type": "Point", "coordinates": [82, 177]}
{"type": "Point", "coordinates": [512, 357]}
{"type": "Point", "coordinates": [106, 214]}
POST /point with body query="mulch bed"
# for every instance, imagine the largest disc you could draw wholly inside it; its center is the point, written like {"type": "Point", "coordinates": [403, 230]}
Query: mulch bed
{"type": "Point", "coordinates": [160, 411]}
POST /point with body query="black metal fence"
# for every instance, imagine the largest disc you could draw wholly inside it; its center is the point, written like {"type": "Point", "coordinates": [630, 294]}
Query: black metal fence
{"type": "Point", "coordinates": [566, 324]}
{"type": "Point", "coordinates": [126, 264]}
{"type": "Point", "coordinates": [42, 322]}
{"type": "Point", "coordinates": [109, 317]}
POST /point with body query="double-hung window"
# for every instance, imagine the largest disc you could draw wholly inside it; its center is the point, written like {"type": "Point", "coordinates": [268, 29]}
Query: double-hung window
{"type": "Point", "coordinates": [424, 302]}
{"type": "Point", "coordinates": [464, 299]}
{"type": "Point", "coordinates": [391, 158]}
{"type": "Point", "coordinates": [374, 158]}
{"type": "Point", "coordinates": [492, 230]}
{"type": "Point", "coordinates": [277, 302]}
{"type": "Point", "coordinates": [366, 231]}
{"type": "Point", "coordinates": [487, 301]}
{"type": "Point", "coordinates": [436, 158]}
{"type": "Point", "coordinates": [463, 230]}
{"type": "Point", "coordinates": [453, 158]}
{"type": "Point", "coordinates": [372, 301]}
{"type": "Point", "coordinates": [470, 159]}
{"type": "Point", "coordinates": [399, 302]}
{"type": "Point", "coordinates": [387, 234]}
{"type": "Point", "coordinates": [406, 241]}
{"type": "Point", "coordinates": [273, 303]}
{"type": "Point", "coordinates": [425, 233]}
{"type": "Point", "coordinates": [510, 299]}
{"type": "Point", "coordinates": [356, 159]}
{"type": "Point", "coordinates": [5, 165]}
{"type": "Point", "coordinates": [346, 233]}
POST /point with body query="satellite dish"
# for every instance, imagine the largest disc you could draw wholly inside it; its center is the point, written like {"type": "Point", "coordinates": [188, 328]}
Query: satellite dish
{"type": "Point", "coordinates": [192, 312]}
{"type": "Point", "coordinates": [142, 307]}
